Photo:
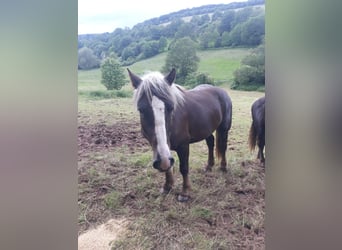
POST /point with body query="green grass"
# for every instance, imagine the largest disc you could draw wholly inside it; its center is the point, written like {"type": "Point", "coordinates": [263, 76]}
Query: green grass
{"type": "Point", "coordinates": [90, 80]}
{"type": "Point", "coordinates": [152, 64]}
{"type": "Point", "coordinates": [220, 64]}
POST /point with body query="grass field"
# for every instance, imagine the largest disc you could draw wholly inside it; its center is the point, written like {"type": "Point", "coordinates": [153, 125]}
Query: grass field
{"type": "Point", "coordinates": [117, 181]}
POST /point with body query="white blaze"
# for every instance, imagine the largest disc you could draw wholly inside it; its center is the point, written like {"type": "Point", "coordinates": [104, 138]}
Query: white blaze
{"type": "Point", "coordinates": [158, 108]}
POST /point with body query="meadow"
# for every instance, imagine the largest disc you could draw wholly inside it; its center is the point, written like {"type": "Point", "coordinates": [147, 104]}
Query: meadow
{"type": "Point", "coordinates": [117, 181]}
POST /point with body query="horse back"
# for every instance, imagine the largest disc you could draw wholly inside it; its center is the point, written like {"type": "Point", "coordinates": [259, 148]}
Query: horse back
{"type": "Point", "coordinates": [206, 108]}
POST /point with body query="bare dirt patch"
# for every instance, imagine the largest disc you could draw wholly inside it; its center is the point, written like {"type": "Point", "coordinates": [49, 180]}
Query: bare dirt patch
{"type": "Point", "coordinates": [99, 136]}
{"type": "Point", "coordinates": [101, 237]}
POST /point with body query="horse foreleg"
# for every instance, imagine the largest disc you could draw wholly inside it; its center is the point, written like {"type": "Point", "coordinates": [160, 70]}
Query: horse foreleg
{"type": "Point", "coordinates": [183, 155]}
{"type": "Point", "coordinates": [211, 161]}
{"type": "Point", "coordinates": [168, 182]}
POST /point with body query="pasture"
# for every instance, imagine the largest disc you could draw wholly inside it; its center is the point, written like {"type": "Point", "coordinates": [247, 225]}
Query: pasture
{"type": "Point", "coordinates": [117, 181]}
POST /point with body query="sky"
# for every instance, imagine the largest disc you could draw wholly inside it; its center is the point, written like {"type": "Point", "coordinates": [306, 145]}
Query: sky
{"type": "Point", "coordinates": [99, 16]}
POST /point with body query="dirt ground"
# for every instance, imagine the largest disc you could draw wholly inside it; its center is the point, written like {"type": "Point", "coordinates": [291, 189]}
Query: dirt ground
{"type": "Point", "coordinates": [233, 214]}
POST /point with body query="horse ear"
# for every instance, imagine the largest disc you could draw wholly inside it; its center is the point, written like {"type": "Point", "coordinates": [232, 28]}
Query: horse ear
{"type": "Point", "coordinates": [136, 80]}
{"type": "Point", "coordinates": [171, 76]}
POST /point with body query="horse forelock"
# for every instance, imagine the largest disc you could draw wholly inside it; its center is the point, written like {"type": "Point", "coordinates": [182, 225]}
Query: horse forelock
{"type": "Point", "coordinates": [154, 84]}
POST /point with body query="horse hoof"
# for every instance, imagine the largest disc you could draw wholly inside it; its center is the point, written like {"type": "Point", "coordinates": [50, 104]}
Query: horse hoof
{"type": "Point", "coordinates": [224, 169]}
{"type": "Point", "coordinates": [182, 198]}
{"type": "Point", "coordinates": [164, 191]}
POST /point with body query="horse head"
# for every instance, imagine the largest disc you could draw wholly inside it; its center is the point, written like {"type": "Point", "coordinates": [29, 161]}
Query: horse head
{"type": "Point", "coordinates": [156, 100]}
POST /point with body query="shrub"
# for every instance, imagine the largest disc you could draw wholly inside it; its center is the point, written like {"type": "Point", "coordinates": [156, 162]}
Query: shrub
{"type": "Point", "coordinates": [112, 74]}
{"type": "Point", "coordinates": [247, 75]}
{"type": "Point", "coordinates": [251, 75]}
{"type": "Point", "coordinates": [198, 78]}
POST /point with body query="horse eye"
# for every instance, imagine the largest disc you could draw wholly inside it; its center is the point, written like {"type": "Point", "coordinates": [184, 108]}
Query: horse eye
{"type": "Point", "coordinates": [169, 108]}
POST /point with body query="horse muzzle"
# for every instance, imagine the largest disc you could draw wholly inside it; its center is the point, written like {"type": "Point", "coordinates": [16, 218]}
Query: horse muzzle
{"type": "Point", "coordinates": [163, 165]}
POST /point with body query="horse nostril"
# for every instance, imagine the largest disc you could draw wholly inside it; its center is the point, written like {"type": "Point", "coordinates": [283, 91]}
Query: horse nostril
{"type": "Point", "coordinates": [172, 161]}
{"type": "Point", "coordinates": [156, 164]}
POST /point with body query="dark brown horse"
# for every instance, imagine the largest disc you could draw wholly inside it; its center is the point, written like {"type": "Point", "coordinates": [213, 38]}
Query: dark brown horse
{"type": "Point", "coordinates": [257, 130]}
{"type": "Point", "coordinates": [172, 118]}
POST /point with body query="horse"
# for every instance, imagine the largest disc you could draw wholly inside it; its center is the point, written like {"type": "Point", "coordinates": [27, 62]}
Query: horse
{"type": "Point", "coordinates": [172, 117]}
{"type": "Point", "coordinates": [257, 130]}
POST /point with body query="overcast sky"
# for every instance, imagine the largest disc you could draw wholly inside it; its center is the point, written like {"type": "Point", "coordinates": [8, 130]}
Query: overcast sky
{"type": "Point", "coordinates": [99, 16]}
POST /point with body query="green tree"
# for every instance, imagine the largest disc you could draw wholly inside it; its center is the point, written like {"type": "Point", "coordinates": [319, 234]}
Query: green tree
{"type": "Point", "coordinates": [242, 15]}
{"type": "Point", "coordinates": [225, 40]}
{"type": "Point", "coordinates": [162, 44]}
{"type": "Point", "coordinates": [186, 30]}
{"type": "Point", "coordinates": [112, 74]}
{"type": "Point", "coordinates": [87, 59]}
{"type": "Point", "coordinates": [182, 56]}
{"type": "Point", "coordinates": [253, 31]}
{"type": "Point", "coordinates": [209, 37]}
{"type": "Point", "coordinates": [235, 36]}
{"type": "Point", "coordinates": [226, 22]}
{"type": "Point", "coordinates": [127, 53]}
{"type": "Point", "coordinates": [150, 49]}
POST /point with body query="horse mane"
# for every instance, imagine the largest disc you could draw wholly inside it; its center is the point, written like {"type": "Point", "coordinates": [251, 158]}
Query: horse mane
{"type": "Point", "coordinates": [154, 83]}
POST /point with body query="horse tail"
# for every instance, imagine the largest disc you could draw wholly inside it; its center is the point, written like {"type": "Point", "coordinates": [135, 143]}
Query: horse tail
{"type": "Point", "coordinates": [222, 136]}
{"type": "Point", "coordinates": [252, 137]}
{"type": "Point", "coordinates": [224, 127]}
{"type": "Point", "coordinates": [221, 142]}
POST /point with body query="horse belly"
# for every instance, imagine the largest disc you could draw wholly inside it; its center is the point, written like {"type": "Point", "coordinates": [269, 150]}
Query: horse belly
{"type": "Point", "coordinates": [204, 127]}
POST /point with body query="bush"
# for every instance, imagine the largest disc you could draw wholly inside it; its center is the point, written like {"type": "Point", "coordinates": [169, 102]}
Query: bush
{"type": "Point", "coordinates": [112, 74]}
{"type": "Point", "coordinates": [247, 76]}
{"type": "Point", "coordinates": [106, 94]}
{"type": "Point", "coordinates": [198, 78]}
{"type": "Point", "coordinates": [251, 75]}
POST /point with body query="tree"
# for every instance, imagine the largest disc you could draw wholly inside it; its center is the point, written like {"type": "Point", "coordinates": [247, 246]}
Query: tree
{"type": "Point", "coordinates": [242, 15]}
{"type": "Point", "coordinates": [209, 37]}
{"type": "Point", "coordinates": [226, 22]}
{"type": "Point", "coordinates": [112, 74]}
{"type": "Point", "coordinates": [182, 56]}
{"type": "Point", "coordinates": [87, 59]}
{"type": "Point", "coordinates": [186, 30]}
{"type": "Point", "coordinates": [150, 49]}
{"type": "Point", "coordinates": [253, 31]}
{"type": "Point", "coordinates": [162, 44]}
{"type": "Point", "coordinates": [235, 36]}
{"type": "Point", "coordinates": [225, 39]}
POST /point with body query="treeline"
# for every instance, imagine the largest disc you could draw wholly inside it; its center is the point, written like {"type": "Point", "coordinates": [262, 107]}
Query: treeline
{"type": "Point", "coordinates": [210, 26]}
{"type": "Point", "coordinates": [211, 8]}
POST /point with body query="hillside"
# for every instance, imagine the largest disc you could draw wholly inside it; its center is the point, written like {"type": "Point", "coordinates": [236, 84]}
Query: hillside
{"type": "Point", "coordinates": [202, 10]}
{"type": "Point", "coordinates": [219, 64]}
{"type": "Point", "coordinates": [211, 26]}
